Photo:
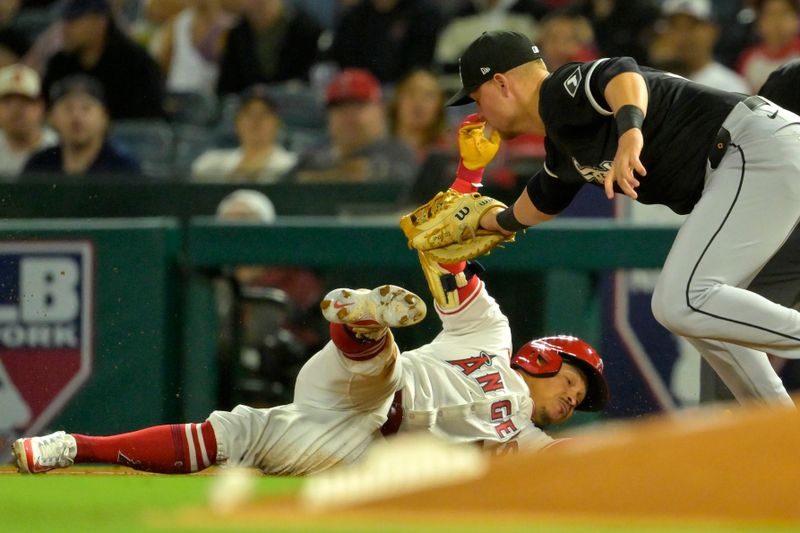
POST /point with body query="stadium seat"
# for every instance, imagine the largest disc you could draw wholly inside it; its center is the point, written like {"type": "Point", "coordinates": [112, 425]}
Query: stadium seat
{"type": "Point", "coordinates": [224, 131]}
{"type": "Point", "coordinates": [299, 106]}
{"type": "Point", "coordinates": [194, 108]}
{"type": "Point", "coordinates": [301, 139]}
{"type": "Point", "coordinates": [190, 142]}
{"type": "Point", "coordinates": [152, 142]}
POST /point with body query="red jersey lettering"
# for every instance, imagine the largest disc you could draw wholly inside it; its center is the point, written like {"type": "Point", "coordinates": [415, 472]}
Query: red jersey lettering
{"type": "Point", "coordinates": [471, 364]}
{"type": "Point", "coordinates": [491, 382]}
{"type": "Point", "coordinates": [506, 429]}
{"type": "Point", "coordinates": [500, 409]}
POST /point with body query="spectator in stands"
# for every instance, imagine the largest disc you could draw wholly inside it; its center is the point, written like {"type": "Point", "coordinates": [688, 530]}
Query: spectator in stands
{"type": "Point", "coordinates": [621, 27]}
{"type": "Point", "coordinates": [687, 46]}
{"type": "Point", "coordinates": [191, 46]}
{"type": "Point", "coordinates": [778, 22]}
{"type": "Point", "coordinates": [95, 46]}
{"type": "Point", "coordinates": [22, 130]}
{"type": "Point", "coordinates": [387, 37]}
{"type": "Point", "coordinates": [360, 149]}
{"type": "Point", "coordinates": [565, 37]}
{"type": "Point", "coordinates": [80, 116]}
{"type": "Point", "coordinates": [13, 42]}
{"type": "Point", "coordinates": [259, 157]}
{"type": "Point", "coordinates": [485, 15]}
{"type": "Point", "coordinates": [416, 112]}
{"type": "Point", "coordinates": [273, 41]}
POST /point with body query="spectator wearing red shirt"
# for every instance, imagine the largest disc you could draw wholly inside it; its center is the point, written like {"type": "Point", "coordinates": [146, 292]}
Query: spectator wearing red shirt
{"type": "Point", "coordinates": [778, 24]}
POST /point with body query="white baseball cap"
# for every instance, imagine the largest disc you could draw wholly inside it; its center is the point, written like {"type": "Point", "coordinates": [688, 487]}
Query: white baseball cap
{"type": "Point", "coordinates": [698, 9]}
{"type": "Point", "coordinates": [20, 79]}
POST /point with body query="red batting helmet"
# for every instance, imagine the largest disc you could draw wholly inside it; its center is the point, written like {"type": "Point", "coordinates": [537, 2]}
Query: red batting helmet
{"type": "Point", "coordinates": [543, 358]}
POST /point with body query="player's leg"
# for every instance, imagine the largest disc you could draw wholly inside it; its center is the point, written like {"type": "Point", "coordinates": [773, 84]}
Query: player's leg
{"type": "Point", "coordinates": [749, 208]}
{"type": "Point", "coordinates": [746, 372]}
{"type": "Point", "coordinates": [167, 449]}
{"type": "Point", "coordinates": [359, 364]}
{"type": "Point", "coordinates": [342, 394]}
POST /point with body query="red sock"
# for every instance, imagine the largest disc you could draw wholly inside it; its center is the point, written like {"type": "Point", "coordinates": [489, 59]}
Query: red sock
{"type": "Point", "coordinates": [169, 449]}
{"type": "Point", "coordinates": [352, 347]}
{"type": "Point", "coordinates": [467, 289]}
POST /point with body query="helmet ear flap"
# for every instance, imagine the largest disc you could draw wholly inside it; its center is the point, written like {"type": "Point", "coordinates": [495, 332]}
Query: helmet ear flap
{"type": "Point", "coordinates": [538, 359]}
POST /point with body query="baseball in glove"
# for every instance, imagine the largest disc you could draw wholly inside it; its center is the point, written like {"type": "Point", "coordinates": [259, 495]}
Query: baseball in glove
{"type": "Point", "coordinates": [448, 227]}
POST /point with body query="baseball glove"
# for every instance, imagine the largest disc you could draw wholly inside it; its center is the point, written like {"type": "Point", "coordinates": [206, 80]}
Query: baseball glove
{"type": "Point", "coordinates": [448, 227]}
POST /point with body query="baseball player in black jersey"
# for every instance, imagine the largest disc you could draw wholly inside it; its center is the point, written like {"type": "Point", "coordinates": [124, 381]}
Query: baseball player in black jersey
{"type": "Point", "coordinates": [731, 161]}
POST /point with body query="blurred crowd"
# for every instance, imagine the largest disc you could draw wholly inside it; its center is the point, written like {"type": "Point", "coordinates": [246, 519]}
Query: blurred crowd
{"type": "Point", "coordinates": [266, 91]}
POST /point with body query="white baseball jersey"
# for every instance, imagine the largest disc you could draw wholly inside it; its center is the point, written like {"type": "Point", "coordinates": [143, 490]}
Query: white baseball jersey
{"type": "Point", "coordinates": [459, 387]}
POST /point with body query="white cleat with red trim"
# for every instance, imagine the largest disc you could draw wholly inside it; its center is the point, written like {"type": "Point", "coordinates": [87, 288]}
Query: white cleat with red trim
{"type": "Point", "coordinates": [40, 454]}
{"type": "Point", "coordinates": [387, 306]}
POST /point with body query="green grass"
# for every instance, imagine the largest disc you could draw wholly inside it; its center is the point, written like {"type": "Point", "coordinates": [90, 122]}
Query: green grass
{"type": "Point", "coordinates": [95, 502]}
{"type": "Point", "coordinates": [98, 502]}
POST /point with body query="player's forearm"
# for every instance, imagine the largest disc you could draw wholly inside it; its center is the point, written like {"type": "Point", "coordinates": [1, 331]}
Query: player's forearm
{"type": "Point", "coordinates": [628, 88]}
{"type": "Point", "coordinates": [524, 212]}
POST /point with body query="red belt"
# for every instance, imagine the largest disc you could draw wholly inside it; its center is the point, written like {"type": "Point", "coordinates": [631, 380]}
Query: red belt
{"type": "Point", "coordinates": [395, 415]}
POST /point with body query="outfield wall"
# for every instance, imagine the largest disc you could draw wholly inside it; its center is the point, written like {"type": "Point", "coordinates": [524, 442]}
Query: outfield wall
{"type": "Point", "coordinates": [154, 350]}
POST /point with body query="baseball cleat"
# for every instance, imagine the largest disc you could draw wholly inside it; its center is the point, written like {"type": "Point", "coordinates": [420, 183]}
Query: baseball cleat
{"type": "Point", "coordinates": [388, 305]}
{"type": "Point", "coordinates": [40, 454]}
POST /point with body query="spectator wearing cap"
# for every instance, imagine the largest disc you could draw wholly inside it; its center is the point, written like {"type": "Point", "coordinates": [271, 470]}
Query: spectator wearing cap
{"type": "Point", "coordinates": [360, 148]}
{"type": "Point", "coordinates": [686, 46]}
{"type": "Point", "coordinates": [22, 130]}
{"type": "Point", "coordinates": [387, 37]}
{"type": "Point", "coordinates": [79, 115]}
{"type": "Point", "coordinates": [778, 27]}
{"type": "Point", "coordinates": [259, 157]}
{"type": "Point", "coordinates": [273, 41]}
{"type": "Point", "coordinates": [94, 45]}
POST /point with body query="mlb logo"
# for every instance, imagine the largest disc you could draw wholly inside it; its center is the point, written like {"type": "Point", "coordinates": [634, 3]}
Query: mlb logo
{"type": "Point", "coordinates": [46, 332]}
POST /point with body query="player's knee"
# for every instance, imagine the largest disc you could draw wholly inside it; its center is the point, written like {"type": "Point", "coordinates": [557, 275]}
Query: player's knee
{"type": "Point", "coordinates": [670, 312]}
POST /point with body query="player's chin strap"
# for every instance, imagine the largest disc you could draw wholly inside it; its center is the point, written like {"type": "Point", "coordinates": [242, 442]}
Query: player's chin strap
{"type": "Point", "coordinates": [445, 285]}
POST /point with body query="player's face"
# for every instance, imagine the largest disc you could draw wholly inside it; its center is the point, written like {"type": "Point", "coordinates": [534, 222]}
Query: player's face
{"type": "Point", "coordinates": [497, 109]}
{"type": "Point", "coordinates": [556, 397]}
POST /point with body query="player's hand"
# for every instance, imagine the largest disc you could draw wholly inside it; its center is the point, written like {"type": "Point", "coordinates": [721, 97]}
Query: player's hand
{"type": "Point", "coordinates": [476, 148]}
{"type": "Point", "coordinates": [626, 161]}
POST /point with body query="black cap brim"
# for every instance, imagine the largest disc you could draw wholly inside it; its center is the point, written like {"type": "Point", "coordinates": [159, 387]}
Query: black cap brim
{"type": "Point", "coordinates": [462, 97]}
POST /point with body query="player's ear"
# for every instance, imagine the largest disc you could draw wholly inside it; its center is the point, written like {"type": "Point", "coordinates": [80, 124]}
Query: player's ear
{"type": "Point", "coordinates": [502, 81]}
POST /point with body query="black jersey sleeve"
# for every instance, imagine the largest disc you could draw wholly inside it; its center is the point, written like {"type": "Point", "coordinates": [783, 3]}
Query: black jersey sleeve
{"type": "Point", "coordinates": [551, 195]}
{"type": "Point", "coordinates": [547, 191]}
{"type": "Point", "coordinates": [603, 72]}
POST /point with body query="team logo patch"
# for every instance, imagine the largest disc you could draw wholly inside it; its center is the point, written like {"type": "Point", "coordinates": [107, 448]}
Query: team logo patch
{"type": "Point", "coordinates": [46, 330]}
{"type": "Point", "coordinates": [593, 174]}
{"type": "Point", "coordinates": [573, 82]}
